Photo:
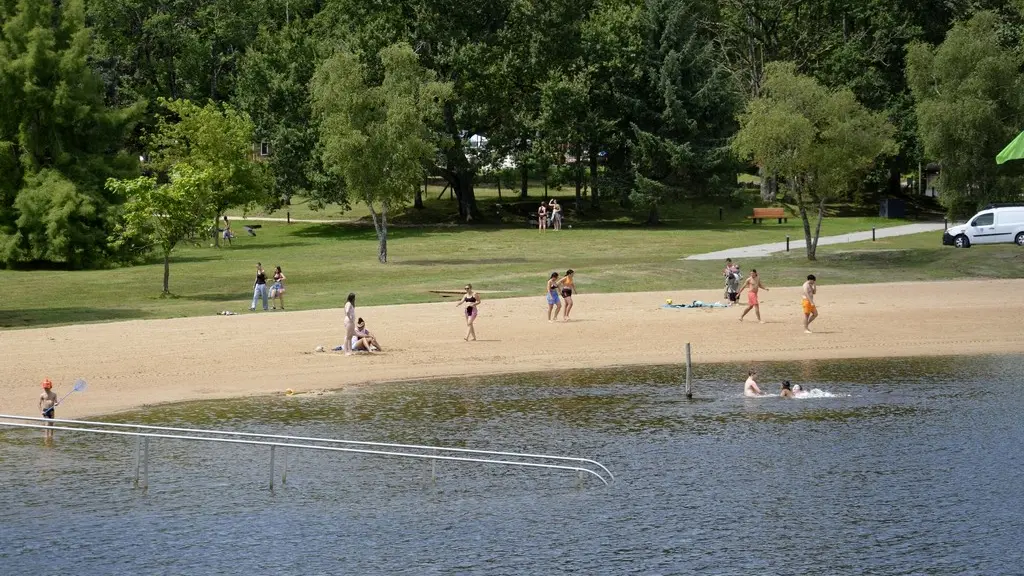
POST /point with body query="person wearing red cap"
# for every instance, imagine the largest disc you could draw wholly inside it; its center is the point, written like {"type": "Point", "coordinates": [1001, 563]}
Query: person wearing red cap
{"type": "Point", "coordinates": [47, 403]}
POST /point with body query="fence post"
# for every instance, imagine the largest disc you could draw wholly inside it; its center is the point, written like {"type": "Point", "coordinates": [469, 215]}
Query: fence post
{"type": "Point", "coordinates": [872, 233]}
{"type": "Point", "coordinates": [272, 467]}
{"type": "Point", "coordinates": [719, 212]}
{"type": "Point", "coordinates": [787, 242]}
{"type": "Point", "coordinates": [689, 389]}
{"type": "Point", "coordinates": [145, 463]}
{"type": "Point", "coordinates": [289, 216]}
{"type": "Point", "coordinates": [284, 473]}
{"type": "Point", "coordinates": [138, 458]}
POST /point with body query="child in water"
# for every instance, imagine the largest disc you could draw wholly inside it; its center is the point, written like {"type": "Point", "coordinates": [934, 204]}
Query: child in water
{"type": "Point", "coordinates": [47, 404]}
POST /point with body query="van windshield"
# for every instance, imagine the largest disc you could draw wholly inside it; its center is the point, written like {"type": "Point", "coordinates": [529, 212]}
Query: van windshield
{"type": "Point", "coordinates": [983, 220]}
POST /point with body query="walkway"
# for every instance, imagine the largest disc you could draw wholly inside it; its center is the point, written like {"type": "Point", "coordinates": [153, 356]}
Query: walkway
{"type": "Point", "coordinates": [293, 220]}
{"type": "Point", "coordinates": [797, 243]}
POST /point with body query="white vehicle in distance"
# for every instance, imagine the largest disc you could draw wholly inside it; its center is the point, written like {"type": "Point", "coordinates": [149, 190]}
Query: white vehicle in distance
{"type": "Point", "coordinates": [996, 224]}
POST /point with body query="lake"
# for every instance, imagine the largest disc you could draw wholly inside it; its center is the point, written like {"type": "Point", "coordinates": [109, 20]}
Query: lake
{"type": "Point", "coordinates": [904, 466]}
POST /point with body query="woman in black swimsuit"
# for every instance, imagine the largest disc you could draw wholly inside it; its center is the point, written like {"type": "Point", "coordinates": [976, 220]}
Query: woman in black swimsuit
{"type": "Point", "coordinates": [472, 302]}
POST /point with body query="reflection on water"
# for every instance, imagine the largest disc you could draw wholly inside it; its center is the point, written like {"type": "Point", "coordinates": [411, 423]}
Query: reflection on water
{"type": "Point", "coordinates": [912, 466]}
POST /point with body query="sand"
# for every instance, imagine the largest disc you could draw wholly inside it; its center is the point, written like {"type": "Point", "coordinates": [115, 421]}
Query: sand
{"type": "Point", "coordinates": [136, 363]}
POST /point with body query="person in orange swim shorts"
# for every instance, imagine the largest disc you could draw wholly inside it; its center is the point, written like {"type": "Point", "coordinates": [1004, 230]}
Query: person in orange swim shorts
{"type": "Point", "coordinates": [754, 283]}
{"type": "Point", "coordinates": [807, 302]}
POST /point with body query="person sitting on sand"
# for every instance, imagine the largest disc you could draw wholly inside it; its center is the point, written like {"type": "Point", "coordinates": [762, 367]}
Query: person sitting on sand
{"type": "Point", "coordinates": [363, 341]}
{"type": "Point", "coordinates": [750, 387]}
{"type": "Point", "coordinates": [787, 390]}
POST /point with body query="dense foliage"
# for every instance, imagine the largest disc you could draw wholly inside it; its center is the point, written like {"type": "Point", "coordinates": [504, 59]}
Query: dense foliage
{"type": "Point", "coordinates": [635, 101]}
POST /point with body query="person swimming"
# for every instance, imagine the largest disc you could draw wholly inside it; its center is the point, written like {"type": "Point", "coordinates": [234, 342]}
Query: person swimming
{"type": "Point", "coordinates": [750, 386]}
{"type": "Point", "coordinates": [787, 390]}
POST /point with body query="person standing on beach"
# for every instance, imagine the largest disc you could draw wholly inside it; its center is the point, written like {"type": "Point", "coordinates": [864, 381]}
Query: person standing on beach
{"type": "Point", "coordinates": [732, 281]}
{"type": "Point", "coordinates": [568, 285]}
{"type": "Point", "coordinates": [47, 404]}
{"type": "Point", "coordinates": [552, 297]}
{"type": "Point", "coordinates": [259, 288]}
{"type": "Point", "coordinates": [807, 302]}
{"type": "Point", "coordinates": [350, 322]}
{"type": "Point", "coordinates": [277, 290]}
{"type": "Point", "coordinates": [472, 302]}
{"type": "Point", "coordinates": [754, 283]}
{"type": "Point", "coordinates": [750, 386]}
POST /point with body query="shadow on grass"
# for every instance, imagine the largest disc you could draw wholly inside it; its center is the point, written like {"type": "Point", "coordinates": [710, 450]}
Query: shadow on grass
{"type": "Point", "coordinates": [34, 317]}
{"type": "Point", "coordinates": [468, 262]}
{"type": "Point", "coordinates": [216, 297]}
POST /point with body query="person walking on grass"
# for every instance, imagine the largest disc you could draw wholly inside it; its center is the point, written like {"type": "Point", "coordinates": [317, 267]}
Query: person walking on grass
{"type": "Point", "coordinates": [350, 322]}
{"type": "Point", "coordinates": [807, 302]}
{"type": "Point", "coordinates": [568, 285]}
{"type": "Point", "coordinates": [259, 288]}
{"type": "Point", "coordinates": [277, 290]}
{"type": "Point", "coordinates": [472, 301]}
{"type": "Point", "coordinates": [552, 297]}
{"type": "Point", "coordinates": [754, 283]}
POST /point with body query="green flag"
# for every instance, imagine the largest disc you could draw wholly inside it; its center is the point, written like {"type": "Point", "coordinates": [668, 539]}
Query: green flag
{"type": "Point", "coordinates": [1013, 151]}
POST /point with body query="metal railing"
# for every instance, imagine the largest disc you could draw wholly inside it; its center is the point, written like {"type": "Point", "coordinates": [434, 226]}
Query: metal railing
{"type": "Point", "coordinates": [433, 454]}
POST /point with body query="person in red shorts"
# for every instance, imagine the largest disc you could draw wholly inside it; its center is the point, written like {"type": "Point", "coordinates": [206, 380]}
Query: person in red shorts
{"type": "Point", "coordinates": [754, 283]}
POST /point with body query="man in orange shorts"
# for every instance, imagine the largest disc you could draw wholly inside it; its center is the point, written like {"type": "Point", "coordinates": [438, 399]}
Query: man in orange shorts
{"type": "Point", "coordinates": [807, 302]}
{"type": "Point", "coordinates": [754, 283]}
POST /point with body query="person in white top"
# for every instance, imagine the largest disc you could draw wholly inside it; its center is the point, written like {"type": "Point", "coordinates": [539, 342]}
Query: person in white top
{"type": "Point", "coordinates": [350, 322]}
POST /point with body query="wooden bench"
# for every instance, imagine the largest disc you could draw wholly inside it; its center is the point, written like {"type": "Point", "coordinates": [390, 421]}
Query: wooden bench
{"type": "Point", "coordinates": [760, 214]}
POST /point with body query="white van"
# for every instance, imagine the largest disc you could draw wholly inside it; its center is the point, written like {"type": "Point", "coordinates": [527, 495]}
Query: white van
{"type": "Point", "coordinates": [994, 225]}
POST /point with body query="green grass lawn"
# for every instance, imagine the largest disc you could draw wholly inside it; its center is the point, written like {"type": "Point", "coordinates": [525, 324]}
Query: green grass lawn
{"type": "Point", "coordinates": [325, 262]}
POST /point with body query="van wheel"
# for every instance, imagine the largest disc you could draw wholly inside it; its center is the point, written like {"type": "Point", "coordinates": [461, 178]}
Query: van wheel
{"type": "Point", "coordinates": [1019, 239]}
{"type": "Point", "coordinates": [962, 241]}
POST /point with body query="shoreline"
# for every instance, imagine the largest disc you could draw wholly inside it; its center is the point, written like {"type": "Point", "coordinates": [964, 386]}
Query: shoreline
{"type": "Point", "coordinates": [141, 363]}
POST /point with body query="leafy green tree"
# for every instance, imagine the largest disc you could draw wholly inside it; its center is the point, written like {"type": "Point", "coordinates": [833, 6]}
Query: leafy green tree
{"type": "Point", "coordinates": [819, 142]}
{"type": "Point", "coordinates": [273, 88]}
{"type": "Point", "coordinates": [376, 137]}
{"type": "Point", "coordinates": [216, 137]}
{"type": "Point", "coordinates": [680, 143]}
{"type": "Point", "coordinates": [970, 103]}
{"type": "Point", "coordinates": [163, 215]}
{"type": "Point", "coordinates": [58, 141]}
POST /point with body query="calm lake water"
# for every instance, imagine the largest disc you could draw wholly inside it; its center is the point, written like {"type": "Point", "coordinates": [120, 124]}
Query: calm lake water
{"type": "Point", "coordinates": [911, 467]}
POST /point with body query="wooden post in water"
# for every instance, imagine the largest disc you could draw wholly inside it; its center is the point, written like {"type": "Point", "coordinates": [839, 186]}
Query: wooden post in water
{"type": "Point", "coordinates": [689, 373]}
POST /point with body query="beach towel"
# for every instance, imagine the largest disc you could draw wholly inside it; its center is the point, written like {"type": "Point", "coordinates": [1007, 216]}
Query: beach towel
{"type": "Point", "coordinates": [697, 304]}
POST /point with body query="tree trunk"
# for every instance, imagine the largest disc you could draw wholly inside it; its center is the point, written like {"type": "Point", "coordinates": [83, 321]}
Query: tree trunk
{"type": "Point", "coordinates": [578, 173]}
{"type": "Point", "coordinates": [594, 196]}
{"type": "Point", "coordinates": [653, 218]}
{"type": "Point", "coordinates": [418, 201]}
{"type": "Point", "coordinates": [167, 272]}
{"type": "Point", "coordinates": [458, 170]}
{"type": "Point", "coordinates": [525, 182]}
{"type": "Point", "coordinates": [811, 246]}
{"type": "Point", "coordinates": [380, 224]}
{"type": "Point", "coordinates": [769, 185]}
{"type": "Point", "coordinates": [817, 229]}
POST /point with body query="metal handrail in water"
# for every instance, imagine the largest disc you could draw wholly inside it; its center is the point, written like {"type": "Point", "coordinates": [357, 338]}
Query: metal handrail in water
{"type": "Point", "coordinates": [315, 439]}
{"type": "Point", "coordinates": [273, 445]}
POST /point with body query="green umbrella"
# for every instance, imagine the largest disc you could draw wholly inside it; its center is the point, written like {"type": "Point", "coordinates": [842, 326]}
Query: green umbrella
{"type": "Point", "coordinates": [1013, 151]}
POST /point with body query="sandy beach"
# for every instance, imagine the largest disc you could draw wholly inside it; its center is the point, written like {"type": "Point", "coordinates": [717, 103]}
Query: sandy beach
{"type": "Point", "coordinates": [136, 363]}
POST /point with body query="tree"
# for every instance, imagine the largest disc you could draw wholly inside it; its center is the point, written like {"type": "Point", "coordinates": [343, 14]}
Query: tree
{"type": "Point", "coordinates": [273, 88]}
{"type": "Point", "coordinates": [969, 94]}
{"type": "Point", "coordinates": [162, 215]}
{"type": "Point", "coordinates": [216, 137]}
{"type": "Point", "coordinates": [376, 137]}
{"type": "Point", "coordinates": [819, 142]}
{"type": "Point", "coordinates": [680, 145]}
{"type": "Point", "coordinates": [58, 141]}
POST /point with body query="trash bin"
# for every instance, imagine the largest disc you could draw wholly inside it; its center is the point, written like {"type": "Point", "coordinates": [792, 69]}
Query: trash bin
{"type": "Point", "coordinates": [893, 208]}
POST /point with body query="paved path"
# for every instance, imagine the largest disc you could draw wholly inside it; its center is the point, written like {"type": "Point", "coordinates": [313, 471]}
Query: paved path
{"type": "Point", "coordinates": [275, 219]}
{"type": "Point", "coordinates": [797, 243]}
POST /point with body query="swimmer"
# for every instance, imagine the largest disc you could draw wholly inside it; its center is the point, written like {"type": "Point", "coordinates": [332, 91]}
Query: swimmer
{"type": "Point", "coordinates": [807, 302]}
{"type": "Point", "coordinates": [754, 283]}
{"type": "Point", "coordinates": [472, 301]}
{"type": "Point", "coordinates": [47, 403]}
{"type": "Point", "coordinates": [787, 390]}
{"type": "Point", "coordinates": [553, 300]}
{"type": "Point", "coordinates": [750, 387]}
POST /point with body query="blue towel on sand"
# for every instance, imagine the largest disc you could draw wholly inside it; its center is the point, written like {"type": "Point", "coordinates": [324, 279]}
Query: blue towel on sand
{"type": "Point", "coordinates": [696, 304]}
